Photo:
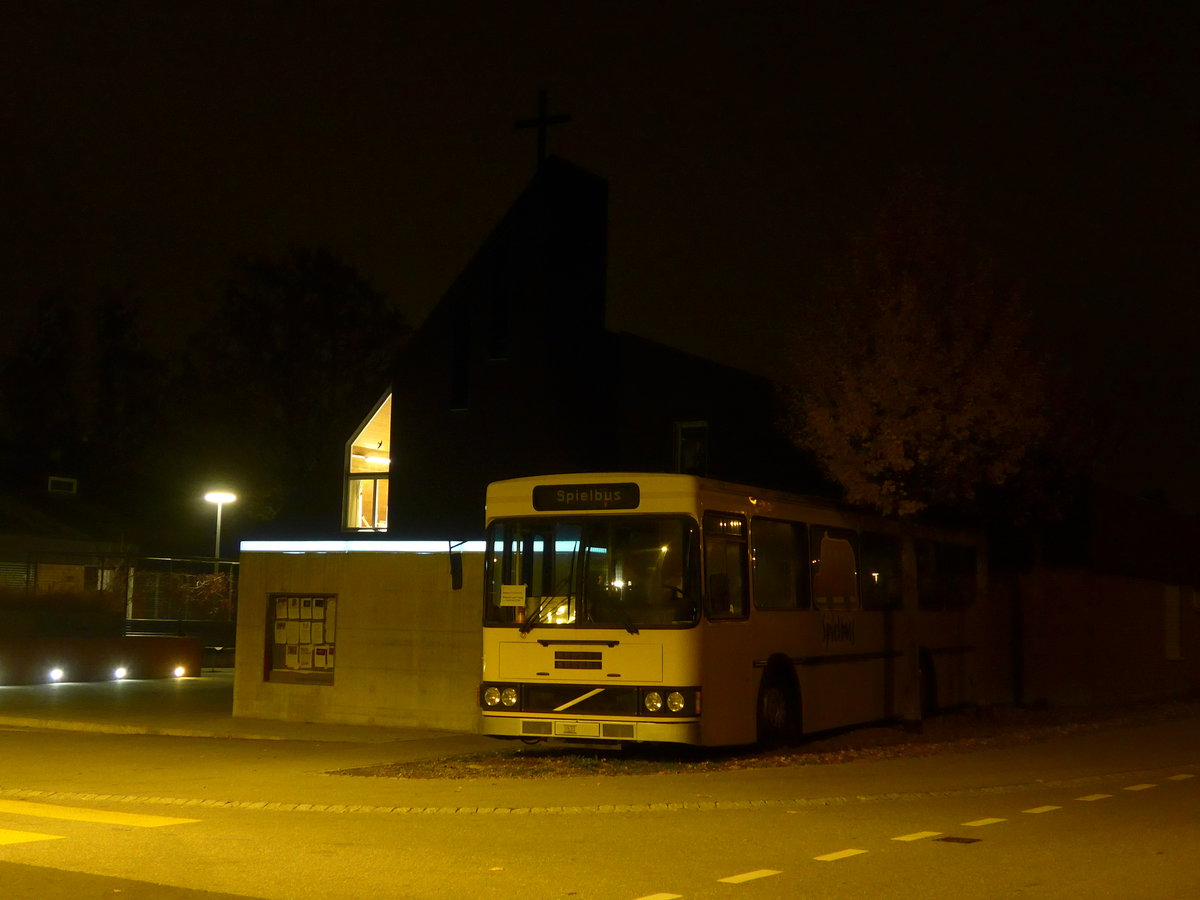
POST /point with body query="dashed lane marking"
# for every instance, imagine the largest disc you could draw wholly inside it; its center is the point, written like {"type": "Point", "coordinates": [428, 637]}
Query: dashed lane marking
{"type": "Point", "coordinates": [25, 837]}
{"type": "Point", "coordinates": [748, 876]}
{"type": "Point", "coordinates": [846, 854]}
{"type": "Point", "coordinates": [96, 816]}
{"type": "Point", "coordinates": [841, 854]}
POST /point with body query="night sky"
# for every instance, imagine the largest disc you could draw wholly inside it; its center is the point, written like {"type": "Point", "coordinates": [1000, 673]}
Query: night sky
{"type": "Point", "coordinates": [146, 144]}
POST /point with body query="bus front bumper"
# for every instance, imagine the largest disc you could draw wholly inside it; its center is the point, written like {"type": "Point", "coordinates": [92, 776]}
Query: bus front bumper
{"type": "Point", "coordinates": [678, 731]}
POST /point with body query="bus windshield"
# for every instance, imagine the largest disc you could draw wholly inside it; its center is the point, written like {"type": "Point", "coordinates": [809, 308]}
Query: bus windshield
{"type": "Point", "coordinates": [625, 572]}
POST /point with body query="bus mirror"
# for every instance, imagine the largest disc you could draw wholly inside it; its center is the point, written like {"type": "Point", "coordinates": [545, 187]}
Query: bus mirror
{"type": "Point", "coordinates": [456, 580]}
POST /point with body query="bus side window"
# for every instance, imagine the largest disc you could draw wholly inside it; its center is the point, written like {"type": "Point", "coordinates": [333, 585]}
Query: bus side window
{"type": "Point", "coordinates": [835, 568]}
{"type": "Point", "coordinates": [726, 566]}
{"type": "Point", "coordinates": [946, 575]}
{"type": "Point", "coordinates": [779, 551]}
{"type": "Point", "coordinates": [880, 575]}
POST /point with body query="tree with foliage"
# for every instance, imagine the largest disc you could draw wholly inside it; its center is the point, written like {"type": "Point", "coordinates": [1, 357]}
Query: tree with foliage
{"type": "Point", "coordinates": [297, 350]}
{"type": "Point", "coordinates": [915, 386]}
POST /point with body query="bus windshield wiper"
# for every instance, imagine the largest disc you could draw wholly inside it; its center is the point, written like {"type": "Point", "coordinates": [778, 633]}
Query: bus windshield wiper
{"type": "Point", "coordinates": [535, 616]}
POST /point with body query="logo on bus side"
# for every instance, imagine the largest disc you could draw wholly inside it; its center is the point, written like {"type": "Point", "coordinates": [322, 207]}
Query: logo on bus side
{"type": "Point", "coordinates": [837, 630]}
{"type": "Point", "coordinates": [586, 496]}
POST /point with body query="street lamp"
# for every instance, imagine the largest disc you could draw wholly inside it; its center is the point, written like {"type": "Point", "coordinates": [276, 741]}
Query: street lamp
{"type": "Point", "coordinates": [220, 498]}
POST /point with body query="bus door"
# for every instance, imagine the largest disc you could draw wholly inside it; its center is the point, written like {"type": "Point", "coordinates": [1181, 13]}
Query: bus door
{"type": "Point", "coordinates": [730, 680]}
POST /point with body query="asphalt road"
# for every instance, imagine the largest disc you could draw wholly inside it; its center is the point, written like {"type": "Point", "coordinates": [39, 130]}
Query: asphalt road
{"type": "Point", "coordinates": [89, 813]}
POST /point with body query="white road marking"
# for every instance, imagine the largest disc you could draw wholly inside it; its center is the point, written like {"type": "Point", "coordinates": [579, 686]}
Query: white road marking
{"type": "Point", "coordinates": [841, 854]}
{"type": "Point", "coordinates": [78, 814]}
{"type": "Point", "coordinates": [25, 837]}
{"type": "Point", "coordinates": [748, 876]}
{"type": "Point", "coordinates": [766, 873]}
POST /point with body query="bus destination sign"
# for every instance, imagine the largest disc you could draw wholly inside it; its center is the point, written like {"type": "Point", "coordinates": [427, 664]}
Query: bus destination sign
{"type": "Point", "coordinates": [586, 496]}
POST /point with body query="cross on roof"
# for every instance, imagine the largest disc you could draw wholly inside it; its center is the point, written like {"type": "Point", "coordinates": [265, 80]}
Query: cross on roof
{"type": "Point", "coordinates": [542, 121]}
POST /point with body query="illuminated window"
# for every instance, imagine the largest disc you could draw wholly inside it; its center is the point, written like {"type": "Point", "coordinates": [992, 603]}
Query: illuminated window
{"type": "Point", "coordinates": [368, 463]}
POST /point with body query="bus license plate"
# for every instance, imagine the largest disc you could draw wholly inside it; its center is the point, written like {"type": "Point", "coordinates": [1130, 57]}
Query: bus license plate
{"type": "Point", "coordinates": [577, 729]}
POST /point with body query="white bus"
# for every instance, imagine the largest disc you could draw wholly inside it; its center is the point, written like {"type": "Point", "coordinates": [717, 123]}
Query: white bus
{"type": "Point", "coordinates": [648, 607]}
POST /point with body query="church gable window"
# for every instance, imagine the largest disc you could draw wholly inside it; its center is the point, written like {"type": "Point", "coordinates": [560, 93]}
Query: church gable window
{"type": "Point", "coordinates": [367, 471]}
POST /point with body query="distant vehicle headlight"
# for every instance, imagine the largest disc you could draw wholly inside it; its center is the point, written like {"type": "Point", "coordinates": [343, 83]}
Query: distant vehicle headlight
{"type": "Point", "coordinates": [653, 701]}
{"type": "Point", "coordinates": [491, 696]}
{"type": "Point", "coordinates": [179, 672]}
{"type": "Point", "coordinates": [57, 674]}
{"type": "Point", "coordinates": [120, 672]}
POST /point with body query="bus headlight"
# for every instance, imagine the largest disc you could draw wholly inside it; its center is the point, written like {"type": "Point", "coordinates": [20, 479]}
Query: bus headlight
{"type": "Point", "coordinates": [669, 701]}
{"type": "Point", "coordinates": [508, 696]}
{"type": "Point", "coordinates": [491, 696]}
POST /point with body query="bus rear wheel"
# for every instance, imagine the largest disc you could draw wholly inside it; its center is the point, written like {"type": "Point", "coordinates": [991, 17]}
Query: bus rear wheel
{"type": "Point", "coordinates": [778, 711]}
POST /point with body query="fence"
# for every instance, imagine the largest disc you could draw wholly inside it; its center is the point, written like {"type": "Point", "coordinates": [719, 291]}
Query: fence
{"type": "Point", "coordinates": [187, 598]}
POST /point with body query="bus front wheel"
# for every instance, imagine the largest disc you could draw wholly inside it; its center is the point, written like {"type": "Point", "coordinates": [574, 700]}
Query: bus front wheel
{"type": "Point", "coordinates": [778, 710]}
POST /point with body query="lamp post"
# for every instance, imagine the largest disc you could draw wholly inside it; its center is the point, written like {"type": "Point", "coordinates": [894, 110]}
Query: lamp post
{"type": "Point", "coordinates": [220, 498]}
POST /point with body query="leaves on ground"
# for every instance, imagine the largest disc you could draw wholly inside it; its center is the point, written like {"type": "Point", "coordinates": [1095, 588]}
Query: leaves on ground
{"type": "Point", "coordinates": [960, 732]}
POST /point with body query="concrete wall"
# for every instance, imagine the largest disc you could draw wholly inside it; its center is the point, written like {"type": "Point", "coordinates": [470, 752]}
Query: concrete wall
{"type": "Point", "coordinates": [408, 646]}
{"type": "Point", "coordinates": [1091, 639]}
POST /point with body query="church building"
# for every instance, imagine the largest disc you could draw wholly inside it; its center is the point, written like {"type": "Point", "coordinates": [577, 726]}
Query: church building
{"type": "Point", "coordinates": [512, 374]}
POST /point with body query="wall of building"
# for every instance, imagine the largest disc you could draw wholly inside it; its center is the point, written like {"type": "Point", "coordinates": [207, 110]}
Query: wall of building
{"type": "Point", "coordinates": [1090, 639]}
{"type": "Point", "coordinates": [407, 644]}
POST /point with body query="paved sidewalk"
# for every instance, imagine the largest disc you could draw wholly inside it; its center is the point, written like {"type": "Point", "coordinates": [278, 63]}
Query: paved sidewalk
{"type": "Point", "coordinates": [184, 707]}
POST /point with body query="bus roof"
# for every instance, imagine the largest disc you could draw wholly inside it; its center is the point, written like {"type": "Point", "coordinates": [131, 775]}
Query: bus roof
{"type": "Point", "coordinates": [661, 492]}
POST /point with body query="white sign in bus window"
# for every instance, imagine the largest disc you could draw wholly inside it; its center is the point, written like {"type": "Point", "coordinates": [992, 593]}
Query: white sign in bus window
{"type": "Point", "coordinates": [512, 595]}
